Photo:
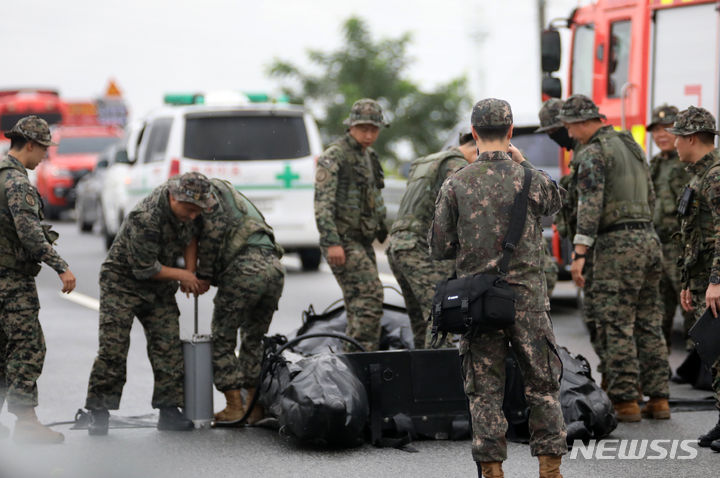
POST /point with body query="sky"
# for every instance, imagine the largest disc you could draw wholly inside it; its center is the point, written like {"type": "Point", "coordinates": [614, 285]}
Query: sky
{"type": "Point", "coordinates": [150, 47]}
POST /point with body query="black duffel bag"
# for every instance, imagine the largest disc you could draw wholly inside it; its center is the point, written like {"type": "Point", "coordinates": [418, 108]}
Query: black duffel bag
{"type": "Point", "coordinates": [482, 301]}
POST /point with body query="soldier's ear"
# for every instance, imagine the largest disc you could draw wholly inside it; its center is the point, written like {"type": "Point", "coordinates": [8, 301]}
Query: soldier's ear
{"type": "Point", "coordinates": [510, 132]}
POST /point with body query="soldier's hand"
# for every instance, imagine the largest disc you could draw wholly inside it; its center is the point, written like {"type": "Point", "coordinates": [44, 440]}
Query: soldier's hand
{"type": "Point", "coordinates": [336, 256]}
{"type": "Point", "coordinates": [576, 269]}
{"type": "Point", "coordinates": [686, 300]}
{"type": "Point", "coordinates": [712, 298]}
{"type": "Point", "coordinates": [204, 286]}
{"type": "Point", "coordinates": [189, 283]}
{"type": "Point", "coordinates": [68, 281]}
{"type": "Point", "coordinates": [515, 154]}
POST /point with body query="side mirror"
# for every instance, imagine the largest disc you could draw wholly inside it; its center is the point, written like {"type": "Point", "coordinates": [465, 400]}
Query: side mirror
{"type": "Point", "coordinates": [122, 157]}
{"type": "Point", "coordinates": [552, 87]}
{"type": "Point", "coordinates": [550, 49]}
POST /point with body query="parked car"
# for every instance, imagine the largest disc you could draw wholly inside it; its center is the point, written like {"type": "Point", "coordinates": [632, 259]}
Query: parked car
{"type": "Point", "coordinates": [266, 150]}
{"type": "Point", "coordinates": [75, 156]}
{"type": "Point", "coordinates": [90, 188]}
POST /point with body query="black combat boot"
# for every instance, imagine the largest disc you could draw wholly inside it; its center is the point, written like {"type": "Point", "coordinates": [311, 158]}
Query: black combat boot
{"type": "Point", "coordinates": [99, 422]}
{"type": "Point", "coordinates": [711, 436]}
{"type": "Point", "coordinates": [172, 419]}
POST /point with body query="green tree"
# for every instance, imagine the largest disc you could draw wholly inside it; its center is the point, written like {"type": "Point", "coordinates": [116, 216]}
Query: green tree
{"type": "Point", "coordinates": [366, 68]}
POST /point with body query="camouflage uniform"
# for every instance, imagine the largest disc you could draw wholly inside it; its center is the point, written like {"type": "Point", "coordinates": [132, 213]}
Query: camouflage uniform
{"type": "Point", "coordinates": [471, 220]}
{"type": "Point", "coordinates": [669, 179]}
{"type": "Point", "coordinates": [24, 244]}
{"type": "Point", "coordinates": [614, 214]}
{"type": "Point", "coordinates": [149, 238]}
{"type": "Point", "coordinates": [407, 253]}
{"type": "Point", "coordinates": [237, 252]}
{"type": "Point", "coordinates": [700, 228]}
{"type": "Point", "coordinates": [350, 212]}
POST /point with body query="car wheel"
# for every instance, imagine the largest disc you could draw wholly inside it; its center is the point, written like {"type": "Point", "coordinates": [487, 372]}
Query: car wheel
{"type": "Point", "coordinates": [82, 223]}
{"type": "Point", "coordinates": [51, 212]}
{"type": "Point", "coordinates": [310, 258]}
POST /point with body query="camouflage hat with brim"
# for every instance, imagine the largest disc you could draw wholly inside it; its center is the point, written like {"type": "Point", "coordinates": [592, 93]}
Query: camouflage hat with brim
{"type": "Point", "coordinates": [194, 188]}
{"type": "Point", "coordinates": [694, 120]}
{"type": "Point", "coordinates": [579, 108]}
{"type": "Point", "coordinates": [491, 113]}
{"type": "Point", "coordinates": [663, 114]}
{"type": "Point", "coordinates": [548, 115]}
{"type": "Point", "coordinates": [366, 111]}
{"type": "Point", "coordinates": [32, 129]}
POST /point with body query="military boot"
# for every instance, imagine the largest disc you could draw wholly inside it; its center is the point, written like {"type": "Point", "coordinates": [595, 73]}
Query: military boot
{"type": "Point", "coordinates": [657, 408]}
{"type": "Point", "coordinates": [99, 422]}
{"type": "Point", "coordinates": [234, 407]}
{"type": "Point", "coordinates": [257, 413]}
{"type": "Point", "coordinates": [172, 419]}
{"type": "Point", "coordinates": [707, 439]}
{"type": "Point", "coordinates": [627, 411]}
{"type": "Point", "coordinates": [550, 466]}
{"type": "Point", "coordinates": [29, 430]}
{"type": "Point", "coordinates": [490, 469]}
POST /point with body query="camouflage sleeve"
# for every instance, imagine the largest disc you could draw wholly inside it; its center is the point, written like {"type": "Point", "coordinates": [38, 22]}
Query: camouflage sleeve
{"type": "Point", "coordinates": [380, 209]}
{"type": "Point", "coordinates": [326, 182]}
{"type": "Point", "coordinates": [652, 196]}
{"type": "Point", "coordinates": [144, 241]}
{"type": "Point", "coordinates": [443, 236]}
{"type": "Point", "coordinates": [711, 190]}
{"type": "Point", "coordinates": [209, 244]}
{"type": "Point", "coordinates": [545, 196]}
{"type": "Point", "coordinates": [24, 207]}
{"type": "Point", "coordinates": [590, 188]}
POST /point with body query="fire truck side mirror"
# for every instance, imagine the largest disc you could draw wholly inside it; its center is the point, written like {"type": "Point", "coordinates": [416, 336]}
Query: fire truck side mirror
{"type": "Point", "coordinates": [551, 50]}
{"type": "Point", "coordinates": [552, 86]}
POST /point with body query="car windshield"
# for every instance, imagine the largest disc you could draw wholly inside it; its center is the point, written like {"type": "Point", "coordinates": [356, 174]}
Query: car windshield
{"type": "Point", "coordinates": [238, 137]}
{"type": "Point", "coordinates": [85, 145]}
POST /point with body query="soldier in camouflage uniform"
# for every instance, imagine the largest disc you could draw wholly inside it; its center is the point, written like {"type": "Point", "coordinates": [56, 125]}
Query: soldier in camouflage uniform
{"type": "Point", "coordinates": [24, 244]}
{"type": "Point", "coordinates": [669, 179]}
{"type": "Point", "coordinates": [237, 252]}
{"type": "Point", "coordinates": [416, 272]}
{"type": "Point", "coordinates": [700, 229]}
{"type": "Point", "coordinates": [350, 215]}
{"type": "Point", "coordinates": [139, 278]}
{"type": "Point", "coordinates": [470, 223]}
{"type": "Point", "coordinates": [566, 218]}
{"type": "Point", "coordinates": [615, 204]}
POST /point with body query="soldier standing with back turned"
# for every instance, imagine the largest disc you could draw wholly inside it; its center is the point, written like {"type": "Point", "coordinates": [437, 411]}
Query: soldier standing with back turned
{"type": "Point", "coordinates": [350, 215]}
{"type": "Point", "coordinates": [471, 220]}
{"type": "Point", "coordinates": [416, 272]}
{"type": "Point", "coordinates": [699, 208]}
{"type": "Point", "coordinates": [24, 243]}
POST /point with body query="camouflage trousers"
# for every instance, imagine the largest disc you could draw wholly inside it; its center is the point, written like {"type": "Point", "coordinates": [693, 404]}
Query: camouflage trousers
{"type": "Point", "coordinates": [363, 293]}
{"type": "Point", "coordinates": [247, 297]}
{"type": "Point", "coordinates": [417, 274]}
{"type": "Point", "coordinates": [670, 294]}
{"type": "Point", "coordinates": [22, 344]}
{"type": "Point", "coordinates": [483, 362]}
{"type": "Point", "coordinates": [158, 314]}
{"type": "Point", "coordinates": [550, 269]}
{"type": "Point", "coordinates": [589, 315]}
{"type": "Point", "coordinates": [698, 303]}
{"type": "Point", "coordinates": [627, 305]}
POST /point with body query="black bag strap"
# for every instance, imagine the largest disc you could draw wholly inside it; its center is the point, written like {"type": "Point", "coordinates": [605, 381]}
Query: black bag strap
{"type": "Point", "coordinates": [517, 223]}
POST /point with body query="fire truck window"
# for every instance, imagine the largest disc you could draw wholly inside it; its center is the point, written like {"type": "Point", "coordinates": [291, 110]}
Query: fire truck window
{"type": "Point", "coordinates": [582, 61]}
{"type": "Point", "coordinates": [157, 140]}
{"type": "Point", "coordinates": [618, 57]}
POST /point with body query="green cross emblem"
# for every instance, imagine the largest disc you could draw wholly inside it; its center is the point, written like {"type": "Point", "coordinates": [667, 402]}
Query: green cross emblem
{"type": "Point", "coordinates": [287, 176]}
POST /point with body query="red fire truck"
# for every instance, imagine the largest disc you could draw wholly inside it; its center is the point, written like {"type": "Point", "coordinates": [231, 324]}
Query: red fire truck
{"type": "Point", "coordinates": [630, 56]}
{"type": "Point", "coordinates": [16, 103]}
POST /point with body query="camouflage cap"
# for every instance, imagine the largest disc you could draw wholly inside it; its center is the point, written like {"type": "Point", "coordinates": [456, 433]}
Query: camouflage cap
{"type": "Point", "coordinates": [193, 188]}
{"type": "Point", "coordinates": [663, 114]}
{"type": "Point", "coordinates": [579, 108]}
{"type": "Point", "coordinates": [548, 115]}
{"type": "Point", "coordinates": [491, 112]}
{"type": "Point", "coordinates": [694, 120]}
{"type": "Point", "coordinates": [366, 111]}
{"type": "Point", "coordinates": [33, 129]}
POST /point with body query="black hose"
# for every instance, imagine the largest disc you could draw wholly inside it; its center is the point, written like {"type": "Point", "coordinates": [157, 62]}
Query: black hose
{"type": "Point", "coordinates": [268, 362]}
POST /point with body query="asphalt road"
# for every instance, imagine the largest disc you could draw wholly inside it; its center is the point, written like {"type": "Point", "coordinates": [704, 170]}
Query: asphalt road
{"type": "Point", "coordinates": [71, 333]}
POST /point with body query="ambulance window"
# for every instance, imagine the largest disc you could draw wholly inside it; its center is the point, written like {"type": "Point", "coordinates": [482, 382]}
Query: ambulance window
{"type": "Point", "coordinates": [582, 61]}
{"type": "Point", "coordinates": [157, 140]}
{"type": "Point", "coordinates": [247, 136]}
{"type": "Point", "coordinates": [618, 57]}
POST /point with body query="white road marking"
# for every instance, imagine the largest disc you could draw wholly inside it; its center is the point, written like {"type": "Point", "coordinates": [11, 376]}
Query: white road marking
{"type": "Point", "coordinates": [82, 299]}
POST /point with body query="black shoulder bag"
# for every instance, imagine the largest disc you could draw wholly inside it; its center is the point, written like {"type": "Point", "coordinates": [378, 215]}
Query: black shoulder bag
{"type": "Point", "coordinates": [481, 301]}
